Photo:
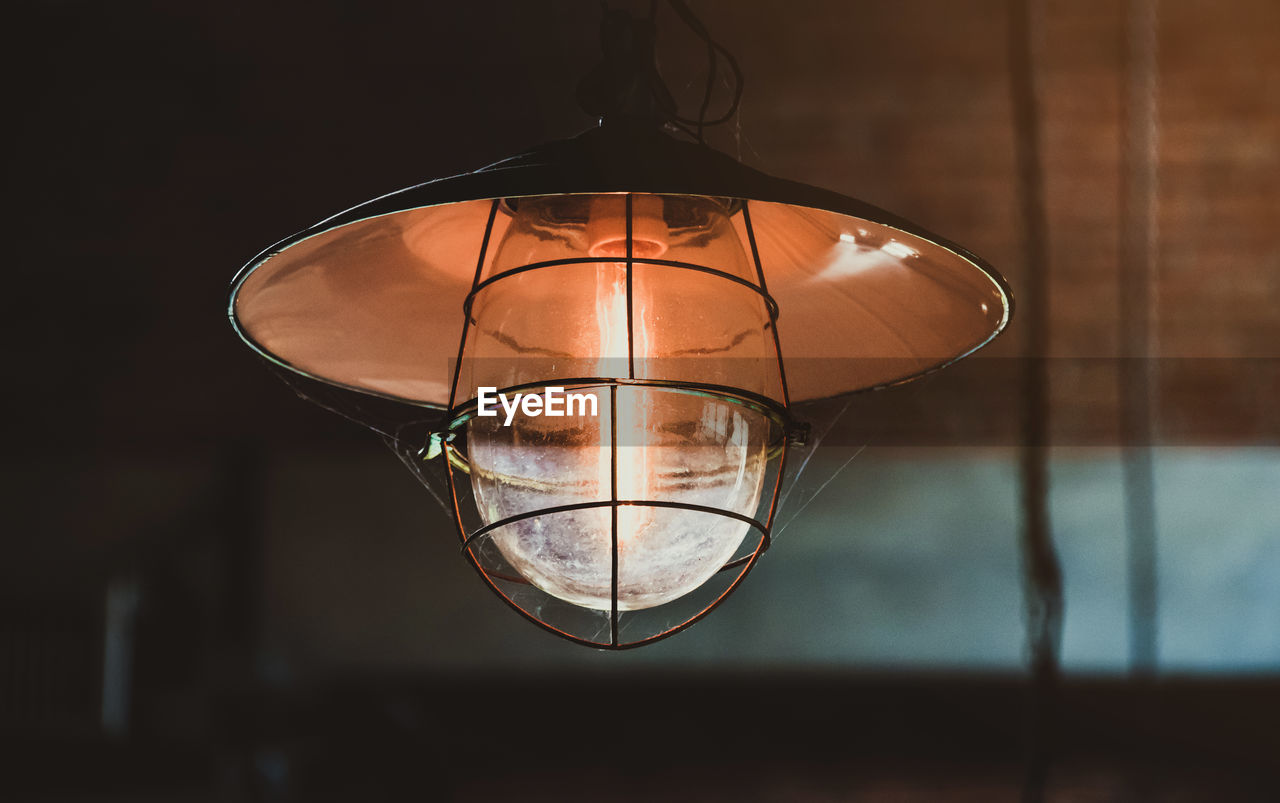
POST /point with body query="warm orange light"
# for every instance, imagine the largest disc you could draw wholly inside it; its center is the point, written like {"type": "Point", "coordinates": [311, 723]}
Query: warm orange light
{"type": "Point", "coordinates": [648, 443]}
{"type": "Point", "coordinates": [623, 333]}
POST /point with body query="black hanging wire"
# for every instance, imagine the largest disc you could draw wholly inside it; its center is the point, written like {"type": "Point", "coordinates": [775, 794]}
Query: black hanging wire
{"type": "Point", "coordinates": [628, 82]}
{"type": "Point", "coordinates": [713, 48]}
{"type": "Point", "coordinates": [1042, 572]}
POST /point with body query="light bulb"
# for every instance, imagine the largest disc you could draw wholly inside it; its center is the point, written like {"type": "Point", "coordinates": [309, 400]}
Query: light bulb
{"type": "Point", "coordinates": [581, 320]}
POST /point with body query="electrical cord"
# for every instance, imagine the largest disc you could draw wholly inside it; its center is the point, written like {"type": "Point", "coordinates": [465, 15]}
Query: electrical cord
{"type": "Point", "coordinates": [714, 50]}
{"type": "Point", "coordinates": [629, 83]}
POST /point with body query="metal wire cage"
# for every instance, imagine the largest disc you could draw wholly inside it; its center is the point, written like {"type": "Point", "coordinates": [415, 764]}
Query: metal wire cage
{"type": "Point", "coordinates": [615, 627]}
{"type": "Point", "coordinates": [361, 312]}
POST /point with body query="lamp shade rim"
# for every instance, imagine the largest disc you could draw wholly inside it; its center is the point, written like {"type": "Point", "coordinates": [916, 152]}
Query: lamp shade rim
{"type": "Point", "coordinates": [608, 159]}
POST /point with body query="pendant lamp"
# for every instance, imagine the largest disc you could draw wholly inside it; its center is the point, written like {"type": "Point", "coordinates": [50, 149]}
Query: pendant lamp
{"type": "Point", "coordinates": [603, 347]}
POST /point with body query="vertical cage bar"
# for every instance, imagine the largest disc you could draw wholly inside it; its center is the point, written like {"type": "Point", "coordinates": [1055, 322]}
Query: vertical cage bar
{"type": "Point", "coordinates": [452, 483]}
{"type": "Point", "coordinates": [466, 307]}
{"type": "Point", "coordinates": [764, 288]}
{"type": "Point", "coordinates": [631, 343]}
{"type": "Point", "coordinates": [777, 491]}
{"type": "Point", "coordinates": [613, 430]}
{"type": "Point", "coordinates": [613, 497]}
{"type": "Point", "coordinates": [457, 370]}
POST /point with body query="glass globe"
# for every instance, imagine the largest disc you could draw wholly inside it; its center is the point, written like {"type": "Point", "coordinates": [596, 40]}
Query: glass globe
{"type": "Point", "coordinates": [636, 443]}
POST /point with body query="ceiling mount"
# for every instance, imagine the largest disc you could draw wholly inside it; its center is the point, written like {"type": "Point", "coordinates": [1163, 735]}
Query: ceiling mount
{"type": "Point", "coordinates": [627, 88]}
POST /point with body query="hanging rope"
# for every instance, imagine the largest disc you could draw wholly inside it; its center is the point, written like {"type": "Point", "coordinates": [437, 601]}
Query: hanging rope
{"type": "Point", "coordinates": [1138, 367]}
{"type": "Point", "coordinates": [1043, 575]}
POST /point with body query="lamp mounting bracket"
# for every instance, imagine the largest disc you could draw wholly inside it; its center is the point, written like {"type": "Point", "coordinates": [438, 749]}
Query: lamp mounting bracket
{"type": "Point", "coordinates": [625, 84]}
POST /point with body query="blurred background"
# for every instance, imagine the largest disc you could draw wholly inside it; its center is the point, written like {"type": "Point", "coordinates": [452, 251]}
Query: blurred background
{"type": "Point", "coordinates": [211, 590]}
